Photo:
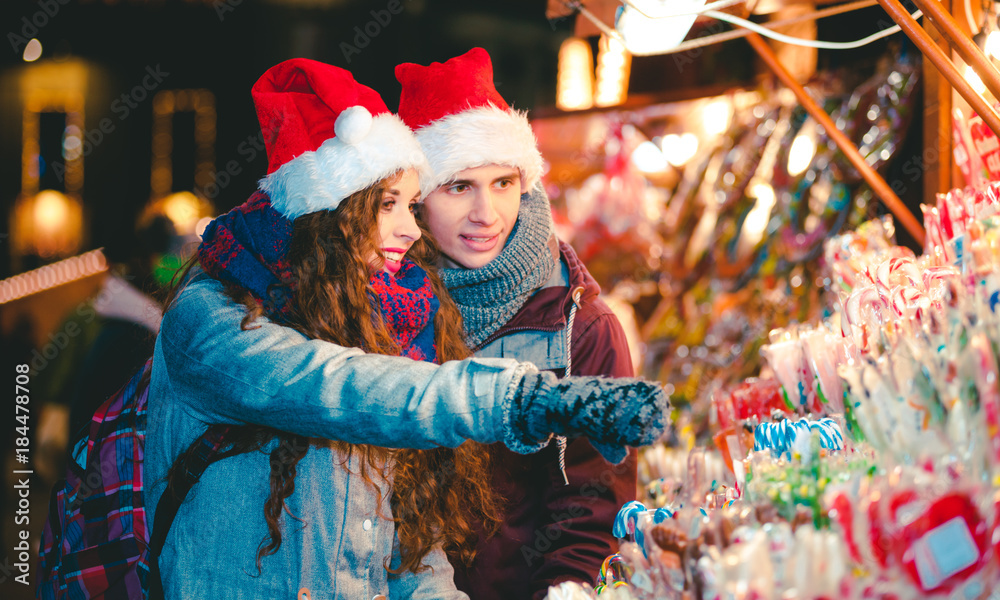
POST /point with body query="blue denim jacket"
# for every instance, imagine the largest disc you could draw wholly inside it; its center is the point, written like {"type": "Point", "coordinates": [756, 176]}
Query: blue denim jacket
{"type": "Point", "coordinates": [206, 370]}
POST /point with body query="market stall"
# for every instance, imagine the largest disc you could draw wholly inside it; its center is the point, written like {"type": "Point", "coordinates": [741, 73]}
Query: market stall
{"type": "Point", "coordinates": [836, 401]}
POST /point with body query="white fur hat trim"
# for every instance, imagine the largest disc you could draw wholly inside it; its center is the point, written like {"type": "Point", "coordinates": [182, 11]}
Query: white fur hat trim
{"type": "Point", "coordinates": [477, 137]}
{"type": "Point", "coordinates": [368, 152]}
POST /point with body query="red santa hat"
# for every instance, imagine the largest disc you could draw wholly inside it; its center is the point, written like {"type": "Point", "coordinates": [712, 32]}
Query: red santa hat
{"type": "Point", "coordinates": [462, 121]}
{"type": "Point", "coordinates": [327, 136]}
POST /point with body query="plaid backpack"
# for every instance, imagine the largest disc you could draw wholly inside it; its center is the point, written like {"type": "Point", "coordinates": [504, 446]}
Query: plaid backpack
{"type": "Point", "coordinates": [97, 541]}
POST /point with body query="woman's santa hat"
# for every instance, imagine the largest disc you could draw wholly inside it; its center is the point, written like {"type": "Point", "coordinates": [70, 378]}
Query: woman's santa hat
{"type": "Point", "coordinates": [462, 121]}
{"type": "Point", "coordinates": [327, 137]}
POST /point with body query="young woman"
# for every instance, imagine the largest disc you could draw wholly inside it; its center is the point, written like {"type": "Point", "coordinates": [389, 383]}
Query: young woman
{"type": "Point", "coordinates": [335, 514]}
{"type": "Point", "coordinates": [323, 258]}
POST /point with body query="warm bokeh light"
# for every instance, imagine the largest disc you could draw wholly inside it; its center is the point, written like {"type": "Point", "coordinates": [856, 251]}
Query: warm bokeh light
{"type": "Point", "coordinates": [678, 149]}
{"type": "Point", "coordinates": [189, 213]}
{"type": "Point", "coordinates": [801, 153]}
{"type": "Point", "coordinates": [199, 227]}
{"type": "Point", "coordinates": [51, 212]}
{"type": "Point", "coordinates": [992, 46]}
{"type": "Point", "coordinates": [715, 117]}
{"type": "Point", "coordinates": [648, 158]}
{"type": "Point", "coordinates": [182, 208]}
{"type": "Point", "coordinates": [48, 224]}
{"type": "Point", "coordinates": [974, 80]}
{"type": "Point", "coordinates": [755, 223]}
{"type": "Point", "coordinates": [575, 81]}
{"type": "Point", "coordinates": [32, 51]}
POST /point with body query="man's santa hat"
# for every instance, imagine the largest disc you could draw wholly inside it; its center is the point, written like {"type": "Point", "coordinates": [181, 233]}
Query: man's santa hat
{"type": "Point", "coordinates": [327, 137]}
{"type": "Point", "coordinates": [462, 121]}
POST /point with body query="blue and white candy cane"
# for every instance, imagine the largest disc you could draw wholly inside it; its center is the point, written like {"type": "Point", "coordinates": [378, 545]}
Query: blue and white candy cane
{"type": "Point", "coordinates": [662, 514]}
{"type": "Point", "coordinates": [769, 436]}
{"type": "Point", "coordinates": [627, 521]}
{"type": "Point", "coordinates": [782, 437]}
{"type": "Point", "coordinates": [830, 435]}
{"type": "Point", "coordinates": [627, 515]}
{"type": "Point", "coordinates": [797, 429]}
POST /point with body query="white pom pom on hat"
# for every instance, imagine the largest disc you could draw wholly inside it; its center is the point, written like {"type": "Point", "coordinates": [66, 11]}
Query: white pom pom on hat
{"type": "Point", "coordinates": [353, 125]}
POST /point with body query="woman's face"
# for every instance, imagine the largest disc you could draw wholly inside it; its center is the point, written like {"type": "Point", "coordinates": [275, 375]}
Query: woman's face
{"type": "Point", "coordinates": [397, 228]}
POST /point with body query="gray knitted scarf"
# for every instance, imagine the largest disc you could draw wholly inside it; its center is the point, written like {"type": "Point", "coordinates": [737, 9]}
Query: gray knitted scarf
{"type": "Point", "coordinates": [490, 295]}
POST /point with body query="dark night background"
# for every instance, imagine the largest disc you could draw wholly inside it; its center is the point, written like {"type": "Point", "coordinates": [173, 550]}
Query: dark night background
{"type": "Point", "coordinates": [225, 45]}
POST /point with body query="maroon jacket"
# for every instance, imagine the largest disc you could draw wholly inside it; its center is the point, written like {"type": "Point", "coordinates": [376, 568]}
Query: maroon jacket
{"type": "Point", "coordinates": [554, 532]}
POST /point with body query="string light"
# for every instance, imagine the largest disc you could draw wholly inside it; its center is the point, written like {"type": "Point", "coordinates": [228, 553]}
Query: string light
{"type": "Point", "coordinates": [54, 275]}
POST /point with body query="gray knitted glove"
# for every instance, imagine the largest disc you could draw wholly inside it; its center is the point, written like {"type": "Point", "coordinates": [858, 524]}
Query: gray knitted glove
{"type": "Point", "coordinates": [612, 413]}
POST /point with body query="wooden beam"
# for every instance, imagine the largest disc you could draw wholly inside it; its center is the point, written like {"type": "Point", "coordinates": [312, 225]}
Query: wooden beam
{"type": "Point", "coordinates": [937, 125]}
{"type": "Point", "coordinates": [965, 47]}
{"type": "Point", "coordinates": [943, 63]}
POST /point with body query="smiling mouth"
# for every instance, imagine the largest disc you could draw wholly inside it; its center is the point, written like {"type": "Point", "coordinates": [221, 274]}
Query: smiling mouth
{"type": "Point", "coordinates": [480, 239]}
{"type": "Point", "coordinates": [393, 256]}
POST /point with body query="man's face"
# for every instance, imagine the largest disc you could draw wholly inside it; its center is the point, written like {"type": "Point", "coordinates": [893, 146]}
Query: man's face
{"type": "Point", "coordinates": [472, 216]}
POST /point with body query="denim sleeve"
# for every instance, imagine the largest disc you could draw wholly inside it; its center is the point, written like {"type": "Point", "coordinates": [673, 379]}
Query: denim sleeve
{"type": "Point", "coordinates": [435, 583]}
{"type": "Point", "coordinates": [272, 375]}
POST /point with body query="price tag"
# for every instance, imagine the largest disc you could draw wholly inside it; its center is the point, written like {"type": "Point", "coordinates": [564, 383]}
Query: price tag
{"type": "Point", "coordinates": [943, 551]}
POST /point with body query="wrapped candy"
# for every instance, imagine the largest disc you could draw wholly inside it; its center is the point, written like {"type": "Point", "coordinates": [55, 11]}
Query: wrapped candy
{"type": "Point", "coordinates": [918, 532]}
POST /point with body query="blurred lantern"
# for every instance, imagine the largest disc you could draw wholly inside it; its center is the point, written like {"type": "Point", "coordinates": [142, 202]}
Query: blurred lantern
{"type": "Point", "coordinates": [656, 26]}
{"type": "Point", "coordinates": [613, 67]}
{"type": "Point", "coordinates": [48, 224]}
{"type": "Point", "coordinates": [575, 81]}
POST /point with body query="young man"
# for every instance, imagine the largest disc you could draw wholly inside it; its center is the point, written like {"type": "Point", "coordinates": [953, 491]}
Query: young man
{"type": "Point", "coordinates": [523, 295]}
